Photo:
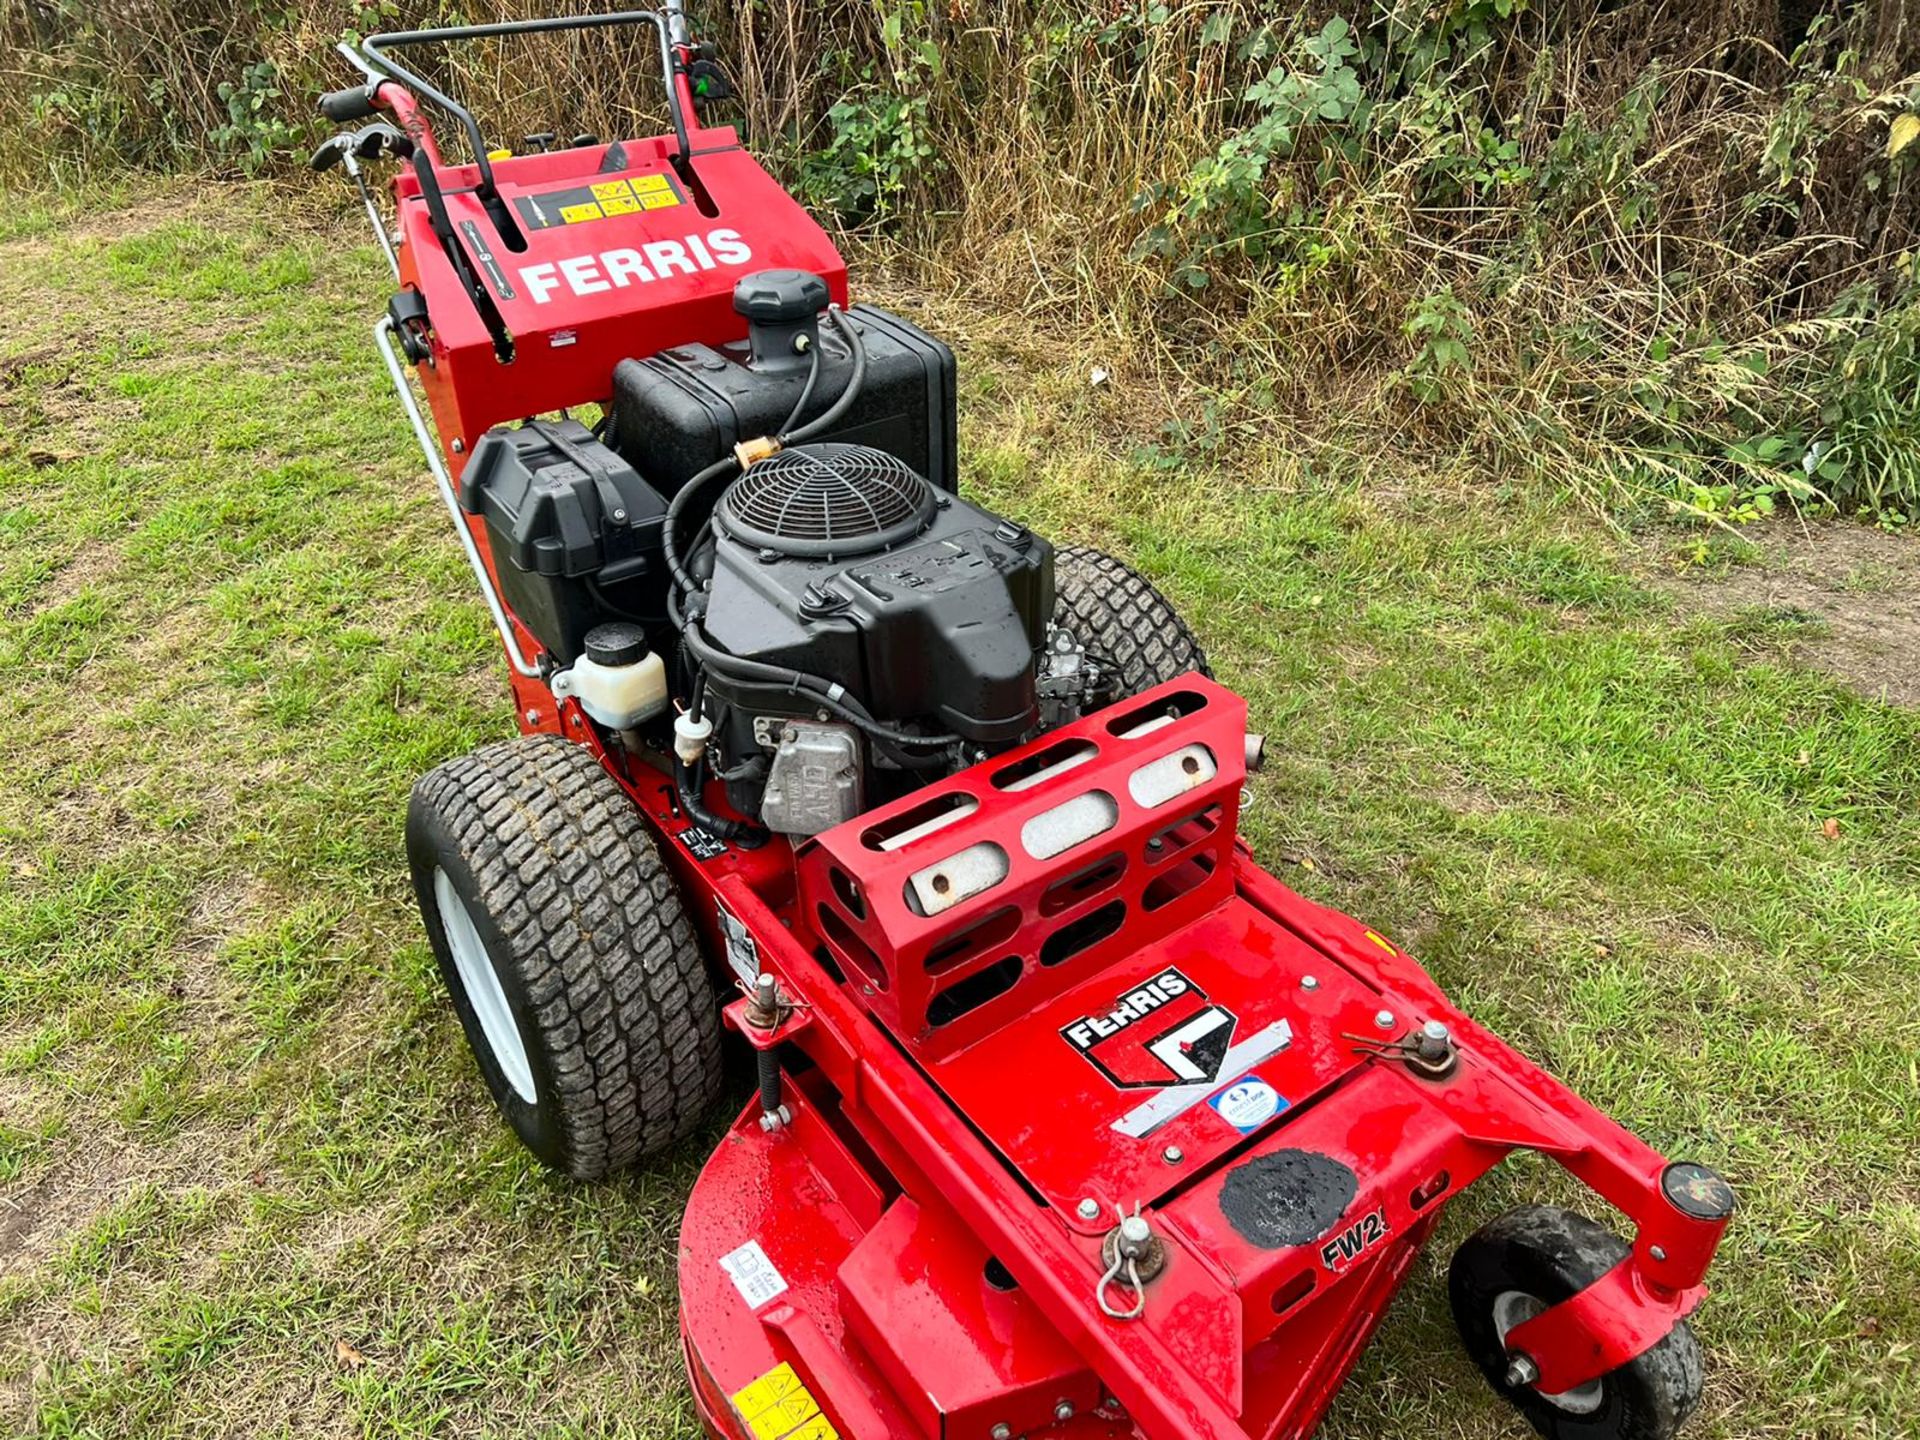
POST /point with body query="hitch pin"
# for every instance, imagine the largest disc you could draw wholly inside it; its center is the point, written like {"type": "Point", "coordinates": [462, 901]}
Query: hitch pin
{"type": "Point", "coordinates": [1431, 1049]}
{"type": "Point", "coordinates": [1132, 1241]}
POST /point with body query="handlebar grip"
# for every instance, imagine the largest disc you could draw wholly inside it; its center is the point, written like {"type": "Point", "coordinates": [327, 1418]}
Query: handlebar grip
{"type": "Point", "coordinates": [341, 106]}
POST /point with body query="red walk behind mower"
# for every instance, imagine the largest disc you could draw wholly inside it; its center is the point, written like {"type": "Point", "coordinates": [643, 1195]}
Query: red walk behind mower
{"type": "Point", "coordinates": [1071, 1120]}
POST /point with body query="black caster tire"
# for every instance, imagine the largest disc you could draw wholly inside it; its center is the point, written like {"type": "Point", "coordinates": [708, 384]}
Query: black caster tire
{"type": "Point", "coordinates": [1536, 1256]}
{"type": "Point", "coordinates": [1115, 612]}
{"type": "Point", "coordinates": [570, 960]}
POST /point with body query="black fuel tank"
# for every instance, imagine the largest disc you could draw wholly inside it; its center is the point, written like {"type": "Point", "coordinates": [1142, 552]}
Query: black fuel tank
{"type": "Point", "coordinates": [677, 412]}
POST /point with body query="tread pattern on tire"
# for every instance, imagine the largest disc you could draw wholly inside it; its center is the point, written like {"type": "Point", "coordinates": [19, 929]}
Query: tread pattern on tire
{"type": "Point", "coordinates": [596, 933]}
{"type": "Point", "coordinates": [1115, 611]}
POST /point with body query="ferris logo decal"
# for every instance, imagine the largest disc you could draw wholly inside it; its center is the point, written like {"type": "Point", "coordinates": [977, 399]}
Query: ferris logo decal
{"type": "Point", "coordinates": [617, 269]}
{"type": "Point", "coordinates": [1158, 1034]}
{"type": "Point", "coordinates": [1354, 1241]}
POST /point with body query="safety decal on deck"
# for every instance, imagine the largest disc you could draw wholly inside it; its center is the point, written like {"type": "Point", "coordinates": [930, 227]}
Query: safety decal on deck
{"type": "Point", "coordinates": [1170, 1102]}
{"type": "Point", "coordinates": [1160, 1033]}
{"type": "Point", "coordinates": [778, 1406]}
{"type": "Point", "coordinates": [702, 844]}
{"type": "Point", "coordinates": [743, 952]}
{"type": "Point", "coordinates": [577, 204]}
{"type": "Point", "coordinates": [1248, 1103]}
{"type": "Point", "coordinates": [753, 1274]}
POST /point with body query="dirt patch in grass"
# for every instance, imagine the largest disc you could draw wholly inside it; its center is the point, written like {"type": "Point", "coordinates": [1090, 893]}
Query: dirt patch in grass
{"type": "Point", "coordinates": [1838, 596]}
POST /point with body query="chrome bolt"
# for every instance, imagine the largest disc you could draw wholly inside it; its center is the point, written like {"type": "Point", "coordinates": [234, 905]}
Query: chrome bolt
{"type": "Point", "coordinates": [1064, 1410]}
{"type": "Point", "coordinates": [1173, 1154]}
{"type": "Point", "coordinates": [1089, 1209]}
{"type": "Point", "coordinates": [533, 717]}
{"type": "Point", "coordinates": [1435, 1031]}
{"type": "Point", "coordinates": [1521, 1372]}
{"type": "Point", "coordinates": [1309, 982]}
{"type": "Point", "coordinates": [1384, 1019]}
{"type": "Point", "coordinates": [1002, 1431]}
{"type": "Point", "coordinates": [1134, 1232]}
{"type": "Point", "coordinates": [1658, 1252]}
{"type": "Point", "coordinates": [459, 447]}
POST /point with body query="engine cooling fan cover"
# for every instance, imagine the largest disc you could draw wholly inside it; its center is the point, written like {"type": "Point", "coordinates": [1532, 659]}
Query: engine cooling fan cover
{"type": "Point", "coordinates": [826, 500]}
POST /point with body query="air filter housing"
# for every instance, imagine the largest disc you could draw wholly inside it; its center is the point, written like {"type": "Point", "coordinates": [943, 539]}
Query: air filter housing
{"type": "Point", "coordinates": [839, 561]}
{"type": "Point", "coordinates": [822, 501]}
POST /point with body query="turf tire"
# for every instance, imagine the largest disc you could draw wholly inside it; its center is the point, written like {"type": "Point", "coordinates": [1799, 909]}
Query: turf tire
{"type": "Point", "coordinates": [583, 926]}
{"type": "Point", "coordinates": [1115, 612]}
{"type": "Point", "coordinates": [1550, 1254]}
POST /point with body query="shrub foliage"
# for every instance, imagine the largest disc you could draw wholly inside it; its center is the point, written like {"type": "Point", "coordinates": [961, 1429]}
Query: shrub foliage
{"type": "Point", "coordinates": [1661, 248]}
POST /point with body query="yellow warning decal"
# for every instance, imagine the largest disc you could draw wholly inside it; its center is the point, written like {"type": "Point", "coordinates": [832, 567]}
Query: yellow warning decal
{"type": "Point", "coordinates": [778, 1406]}
{"type": "Point", "coordinates": [600, 200]}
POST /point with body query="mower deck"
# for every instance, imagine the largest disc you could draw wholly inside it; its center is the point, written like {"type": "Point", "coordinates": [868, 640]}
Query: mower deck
{"type": "Point", "coordinates": [921, 1241]}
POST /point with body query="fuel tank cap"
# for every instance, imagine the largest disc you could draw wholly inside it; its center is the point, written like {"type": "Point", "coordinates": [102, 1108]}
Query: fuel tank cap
{"type": "Point", "coordinates": [780, 297]}
{"type": "Point", "coordinates": [783, 316]}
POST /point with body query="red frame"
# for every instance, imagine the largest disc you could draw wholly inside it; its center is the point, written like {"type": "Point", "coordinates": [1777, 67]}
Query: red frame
{"type": "Point", "coordinates": [906, 1159]}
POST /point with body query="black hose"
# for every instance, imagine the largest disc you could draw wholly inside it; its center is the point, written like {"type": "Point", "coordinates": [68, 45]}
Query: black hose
{"type": "Point", "coordinates": [728, 464]}
{"type": "Point", "coordinates": [830, 417]}
{"type": "Point", "coordinates": [806, 390]}
{"type": "Point", "coordinates": [817, 690]}
{"type": "Point", "coordinates": [853, 713]}
{"type": "Point", "coordinates": [687, 783]}
{"type": "Point", "coordinates": [676, 507]}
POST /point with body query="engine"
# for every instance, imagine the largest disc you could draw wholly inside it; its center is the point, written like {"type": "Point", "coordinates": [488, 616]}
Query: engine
{"type": "Point", "coordinates": [838, 626]}
{"type": "Point", "coordinates": [931, 614]}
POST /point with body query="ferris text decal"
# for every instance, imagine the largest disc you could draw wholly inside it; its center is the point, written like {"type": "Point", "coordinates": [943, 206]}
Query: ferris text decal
{"type": "Point", "coordinates": [1157, 1034]}
{"type": "Point", "coordinates": [1351, 1243]}
{"type": "Point", "coordinates": [617, 269]}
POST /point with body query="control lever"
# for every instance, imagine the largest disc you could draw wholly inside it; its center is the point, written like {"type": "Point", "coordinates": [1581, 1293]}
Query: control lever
{"type": "Point", "coordinates": [332, 152]}
{"type": "Point", "coordinates": [350, 147]}
{"type": "Point", "coordinates": [379, 140]}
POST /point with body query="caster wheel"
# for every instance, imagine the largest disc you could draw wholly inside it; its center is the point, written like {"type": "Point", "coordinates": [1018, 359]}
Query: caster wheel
{"type": "Point", "coordinates": [1535, 1257]}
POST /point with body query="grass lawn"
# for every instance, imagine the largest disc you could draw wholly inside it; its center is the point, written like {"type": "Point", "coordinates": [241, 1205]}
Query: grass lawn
{"type": "Point", "coordinates": [250, 1182]}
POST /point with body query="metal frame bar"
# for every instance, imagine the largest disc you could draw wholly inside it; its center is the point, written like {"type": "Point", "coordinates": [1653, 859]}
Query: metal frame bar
{"type": "Point", "coordinates": [373, 52]}
{"type": "Point", "coordinates": [383, 337]}
{"type": "Point", "coordinates": [373, 212]}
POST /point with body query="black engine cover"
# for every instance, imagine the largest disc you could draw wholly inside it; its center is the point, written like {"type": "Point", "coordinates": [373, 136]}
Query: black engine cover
{"type": "Point", "coordinates": [940, 625]}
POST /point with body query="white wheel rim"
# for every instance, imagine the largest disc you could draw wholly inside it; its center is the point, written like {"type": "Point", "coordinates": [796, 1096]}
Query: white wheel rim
{"type": "Point", "coordinates": [482, 984]}
{"type": "Point", "coordinates": [1511, 1308]}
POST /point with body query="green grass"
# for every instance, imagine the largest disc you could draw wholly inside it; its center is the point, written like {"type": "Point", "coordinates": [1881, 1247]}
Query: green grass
{"type": "Point", "coordinates": [238, 1126]}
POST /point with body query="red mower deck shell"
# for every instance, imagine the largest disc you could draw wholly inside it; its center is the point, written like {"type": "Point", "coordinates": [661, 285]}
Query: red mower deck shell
{"type": "Point", "coordinates": [981, 1080]}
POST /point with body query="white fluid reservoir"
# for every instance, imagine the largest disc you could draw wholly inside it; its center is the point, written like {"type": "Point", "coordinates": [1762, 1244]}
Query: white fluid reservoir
{"type": "Point", "coordinates": [618, 680]}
